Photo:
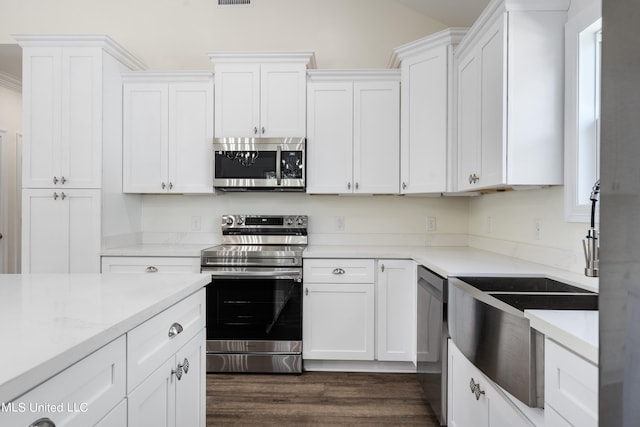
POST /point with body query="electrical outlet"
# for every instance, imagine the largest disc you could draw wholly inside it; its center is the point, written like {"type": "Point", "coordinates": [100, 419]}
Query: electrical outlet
{"type": "Point", "coordinates": [340, 223]}
{"type": "Point", "coordinates": [537, 228]}
{"type": "Point", "coordinates": [431, 224]}
{"type": "Point", "coordinates": [196, 223]}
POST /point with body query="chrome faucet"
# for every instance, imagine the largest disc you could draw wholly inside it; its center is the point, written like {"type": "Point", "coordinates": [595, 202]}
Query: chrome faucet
{"type": "Point", "coordinates": [590, 245]}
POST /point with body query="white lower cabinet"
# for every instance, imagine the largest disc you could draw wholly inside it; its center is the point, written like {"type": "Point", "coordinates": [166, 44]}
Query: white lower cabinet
{"type": "Point", "coordinates": [174, 394]}
{"type": "Point", "coordinates": [338, 309]}
{"type": "Point", "coordinates": [81, 395]}
{"type": "Point", "coordinates": [396, 310]}
{"type": "Point", "coordinates": [473, 399]}
{"type": "Point", "coordinates": [116, 418]}
{"type": "Point", "coordinates": [570, 388]}
{"type": "Point", "coordinates": [166, 367]}
{"type": "Point", "coordinates": [355, 311]}
{"type": "Point", "coordinates": [126, 264]}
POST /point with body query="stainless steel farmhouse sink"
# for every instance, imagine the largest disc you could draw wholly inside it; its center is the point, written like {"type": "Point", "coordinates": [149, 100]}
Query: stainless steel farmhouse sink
{"type": "Point", "coordinates": [487, 323]}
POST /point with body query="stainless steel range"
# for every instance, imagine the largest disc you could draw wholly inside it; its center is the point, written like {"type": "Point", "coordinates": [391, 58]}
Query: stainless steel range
{"type": "Point", "coordinates": [254, 302]}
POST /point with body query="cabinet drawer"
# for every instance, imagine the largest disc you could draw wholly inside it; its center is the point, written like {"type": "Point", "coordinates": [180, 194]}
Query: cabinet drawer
{"type": "Point", "coordinates": [150, 265]}
{"type": "Point", "coordinates": [571, 385]}
{"type": "Point", "coordinates": [153, 342]}
{"type": "Point", "coordinates": [338, 271]}
{"type": "Point", "coordinates": [81, 395]}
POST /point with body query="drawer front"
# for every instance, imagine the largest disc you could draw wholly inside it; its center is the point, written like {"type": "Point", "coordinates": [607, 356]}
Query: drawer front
{"type": "Point", "coordinates": [150, 265]}
{"type": "Point", "coordinates": [81, 395]}
{"type": "Point", "coordinates": [571, 385]}
{"type": "Point", "coordinates": [153, 342]}
{"type": "Point", "coordinates": [338, 271]}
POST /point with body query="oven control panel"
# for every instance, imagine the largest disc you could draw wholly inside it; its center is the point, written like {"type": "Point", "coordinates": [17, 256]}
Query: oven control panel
{"type": "Point", "coordinates": [264, 221]}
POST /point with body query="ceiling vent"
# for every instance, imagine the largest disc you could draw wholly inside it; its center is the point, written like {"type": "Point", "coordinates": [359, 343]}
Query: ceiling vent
{"type": "Point", "coordinates": [235, 3]}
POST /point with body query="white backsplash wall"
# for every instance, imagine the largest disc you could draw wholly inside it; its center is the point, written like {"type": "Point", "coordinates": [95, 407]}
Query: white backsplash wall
{"type": "Point", "coordinates": [527, 224]}
{"type": "Point", "coordinates": [384, 220]}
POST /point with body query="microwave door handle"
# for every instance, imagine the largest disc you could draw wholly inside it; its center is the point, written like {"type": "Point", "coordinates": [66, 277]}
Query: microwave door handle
{"type": "Point", "coordinates": [278, 164]}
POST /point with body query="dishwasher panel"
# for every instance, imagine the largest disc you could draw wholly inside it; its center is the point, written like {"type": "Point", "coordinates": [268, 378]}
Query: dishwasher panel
{"type": "Point", "coordinates": [432, 340]}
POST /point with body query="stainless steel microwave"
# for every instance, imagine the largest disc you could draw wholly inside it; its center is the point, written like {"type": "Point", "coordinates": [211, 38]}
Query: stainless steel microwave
{"type": "Point", "coordinates": [253, 164]}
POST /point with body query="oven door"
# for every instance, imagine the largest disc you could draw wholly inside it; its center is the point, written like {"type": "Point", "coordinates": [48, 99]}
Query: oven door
{"type": "Point", "coordinates": [254, 321]}
{"type": "Point", "coordinates": [242, 164]}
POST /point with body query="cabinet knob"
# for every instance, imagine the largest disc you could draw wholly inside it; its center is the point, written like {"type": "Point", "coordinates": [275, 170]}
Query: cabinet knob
{"type": "Point", "coordinates": [404, 185]}
{"type": "Point", "coordinates": [382, 268]}
{"type": "Point", "coordinates": [357, 186]}
{"type": "Point", "coordinates": [55, 196]}
{"type": "Point", "coordinates": [43, 422]}
{"type": "Point", "coordinates": [62, 180]}
{"type": "Point", "coordinates": [263, 130]}
{"type": "Point", "coordinates": [348, 186]}
{"type": "Point", "coordinates": [338, 271]}
{"type": "Point", "coordinates": [163, 185]}
{"type": "Point", "coordinates": [306, 291]}
{"type": "Point", "coordinates": [255, 130]}
{"type": "Point", "coordinates": [182, 369]}
{"type": "Point", "coordinates": [475, 389]}
{"type": "Point", "coordinates": [1, 236]}
{"type": "Point", "coordinates": [170, 185]}
{"type": "Point", "coordinates": [151, 269]}
{"type": "Point", "coordinates": [175, 329]}
{"type": "Point", "coordinates": [62, 195]}
{"type": "Point", "coordinates": [55, 179]}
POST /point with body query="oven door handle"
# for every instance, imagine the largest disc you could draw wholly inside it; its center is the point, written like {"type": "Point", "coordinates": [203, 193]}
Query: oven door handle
{"type": "Point", "coordinates": [282, 274]}
{"type": "Point", "coordinates": [279, 165]}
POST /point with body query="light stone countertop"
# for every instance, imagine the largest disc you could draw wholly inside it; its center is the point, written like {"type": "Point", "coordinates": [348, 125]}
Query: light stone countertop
{"type": "Point", "coordinates": [447, 261]}
{"type": "Point", "coordinates": [574, 329]}
{"type": "Point", "coordinates": [51, 321]}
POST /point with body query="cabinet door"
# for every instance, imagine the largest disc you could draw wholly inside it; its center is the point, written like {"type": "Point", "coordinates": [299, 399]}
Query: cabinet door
{"type": "Point", "coordinates": [152, 403]}
{"type": "Point", "coordinates": [468, 120]}
{"type": "Point", "coordinates": [237, 100]}
{"type": "Point", "coordinates": [493, 106]}
{"type": "Point", "coordinates": [424, 122]}
{"type": "Point", "coordinates": [42, 70]}
{"type": "Point", "coordinates": [475, 400]}
{"type": "Point", "coordinates": [376, 137]}
{"type": "Point", "coordinates": [338, 321]}
{"type": "Point", "coordinates": [81, 148]}
{"type": "Point", "coordinates": [330, 138]}
{"type": "Point", "coordinates": [63, 117]}
{"type": "Point", "coordinates": [61, 231]}
{"type": "Point", "coordinates": [464, 409]}
{"type": "Point", "coordinates": [283, 100]}
{"type": "Point", "coordinates": [396, 310]}
{"type": "Point", "coordinates": [190, 154]}
{"type": "Point", "coordinates": [191, 387]}
{"type": "Point", "coordinates": [146, 138]}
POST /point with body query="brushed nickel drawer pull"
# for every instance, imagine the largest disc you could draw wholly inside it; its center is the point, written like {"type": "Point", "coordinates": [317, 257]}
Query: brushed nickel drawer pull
{"type": "Point", "coordinates": [338, 271]}
{"type": "Point", "coordinates": [151, 269]}
{"type": "Point", "coordinates": [175, 329]}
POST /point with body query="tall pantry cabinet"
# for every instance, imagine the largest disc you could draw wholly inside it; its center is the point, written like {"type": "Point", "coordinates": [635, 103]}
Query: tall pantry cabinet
{"type": "Point", "coordinates": [72, 129]}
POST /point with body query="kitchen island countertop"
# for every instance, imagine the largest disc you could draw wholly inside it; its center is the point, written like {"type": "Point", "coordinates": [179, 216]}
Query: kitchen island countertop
{"type": "Point", "coordinates": [51, 321]}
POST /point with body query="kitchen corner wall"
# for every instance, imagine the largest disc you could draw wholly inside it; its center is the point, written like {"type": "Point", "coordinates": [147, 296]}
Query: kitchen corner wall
{"type": "Point", "coordinates": [383, 220]}
{"type": "Point", "coordinates": [528, 224]}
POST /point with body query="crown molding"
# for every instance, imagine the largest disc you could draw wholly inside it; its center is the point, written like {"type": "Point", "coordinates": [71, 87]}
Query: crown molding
{"type": "Point", "coordinates": [448, 36]}
{"type": "Point", "coordinates": [81, 40]}
{"type": "Point", "coordinates": [306, 58]}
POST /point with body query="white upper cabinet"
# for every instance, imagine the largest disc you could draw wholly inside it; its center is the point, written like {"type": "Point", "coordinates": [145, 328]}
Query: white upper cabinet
{"type": "Point", "coordinates": [260, 95]}
{"type": "Point", "coordinates": [426, 146]}
{"type": "Point", "coordinates": [353, 135]}
{"type": "Point", "coordinates": [168, 133]}
{"type": "Point", "coordinates": [510, 108]}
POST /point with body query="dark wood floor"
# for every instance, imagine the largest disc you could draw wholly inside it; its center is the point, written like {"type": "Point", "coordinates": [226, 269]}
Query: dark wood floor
{"type": "Point", "coordinates": [316, 399]}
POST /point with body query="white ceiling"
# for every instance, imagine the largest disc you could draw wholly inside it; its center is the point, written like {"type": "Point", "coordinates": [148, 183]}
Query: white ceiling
{"type": "Point", "coordinates": [452, 13]}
